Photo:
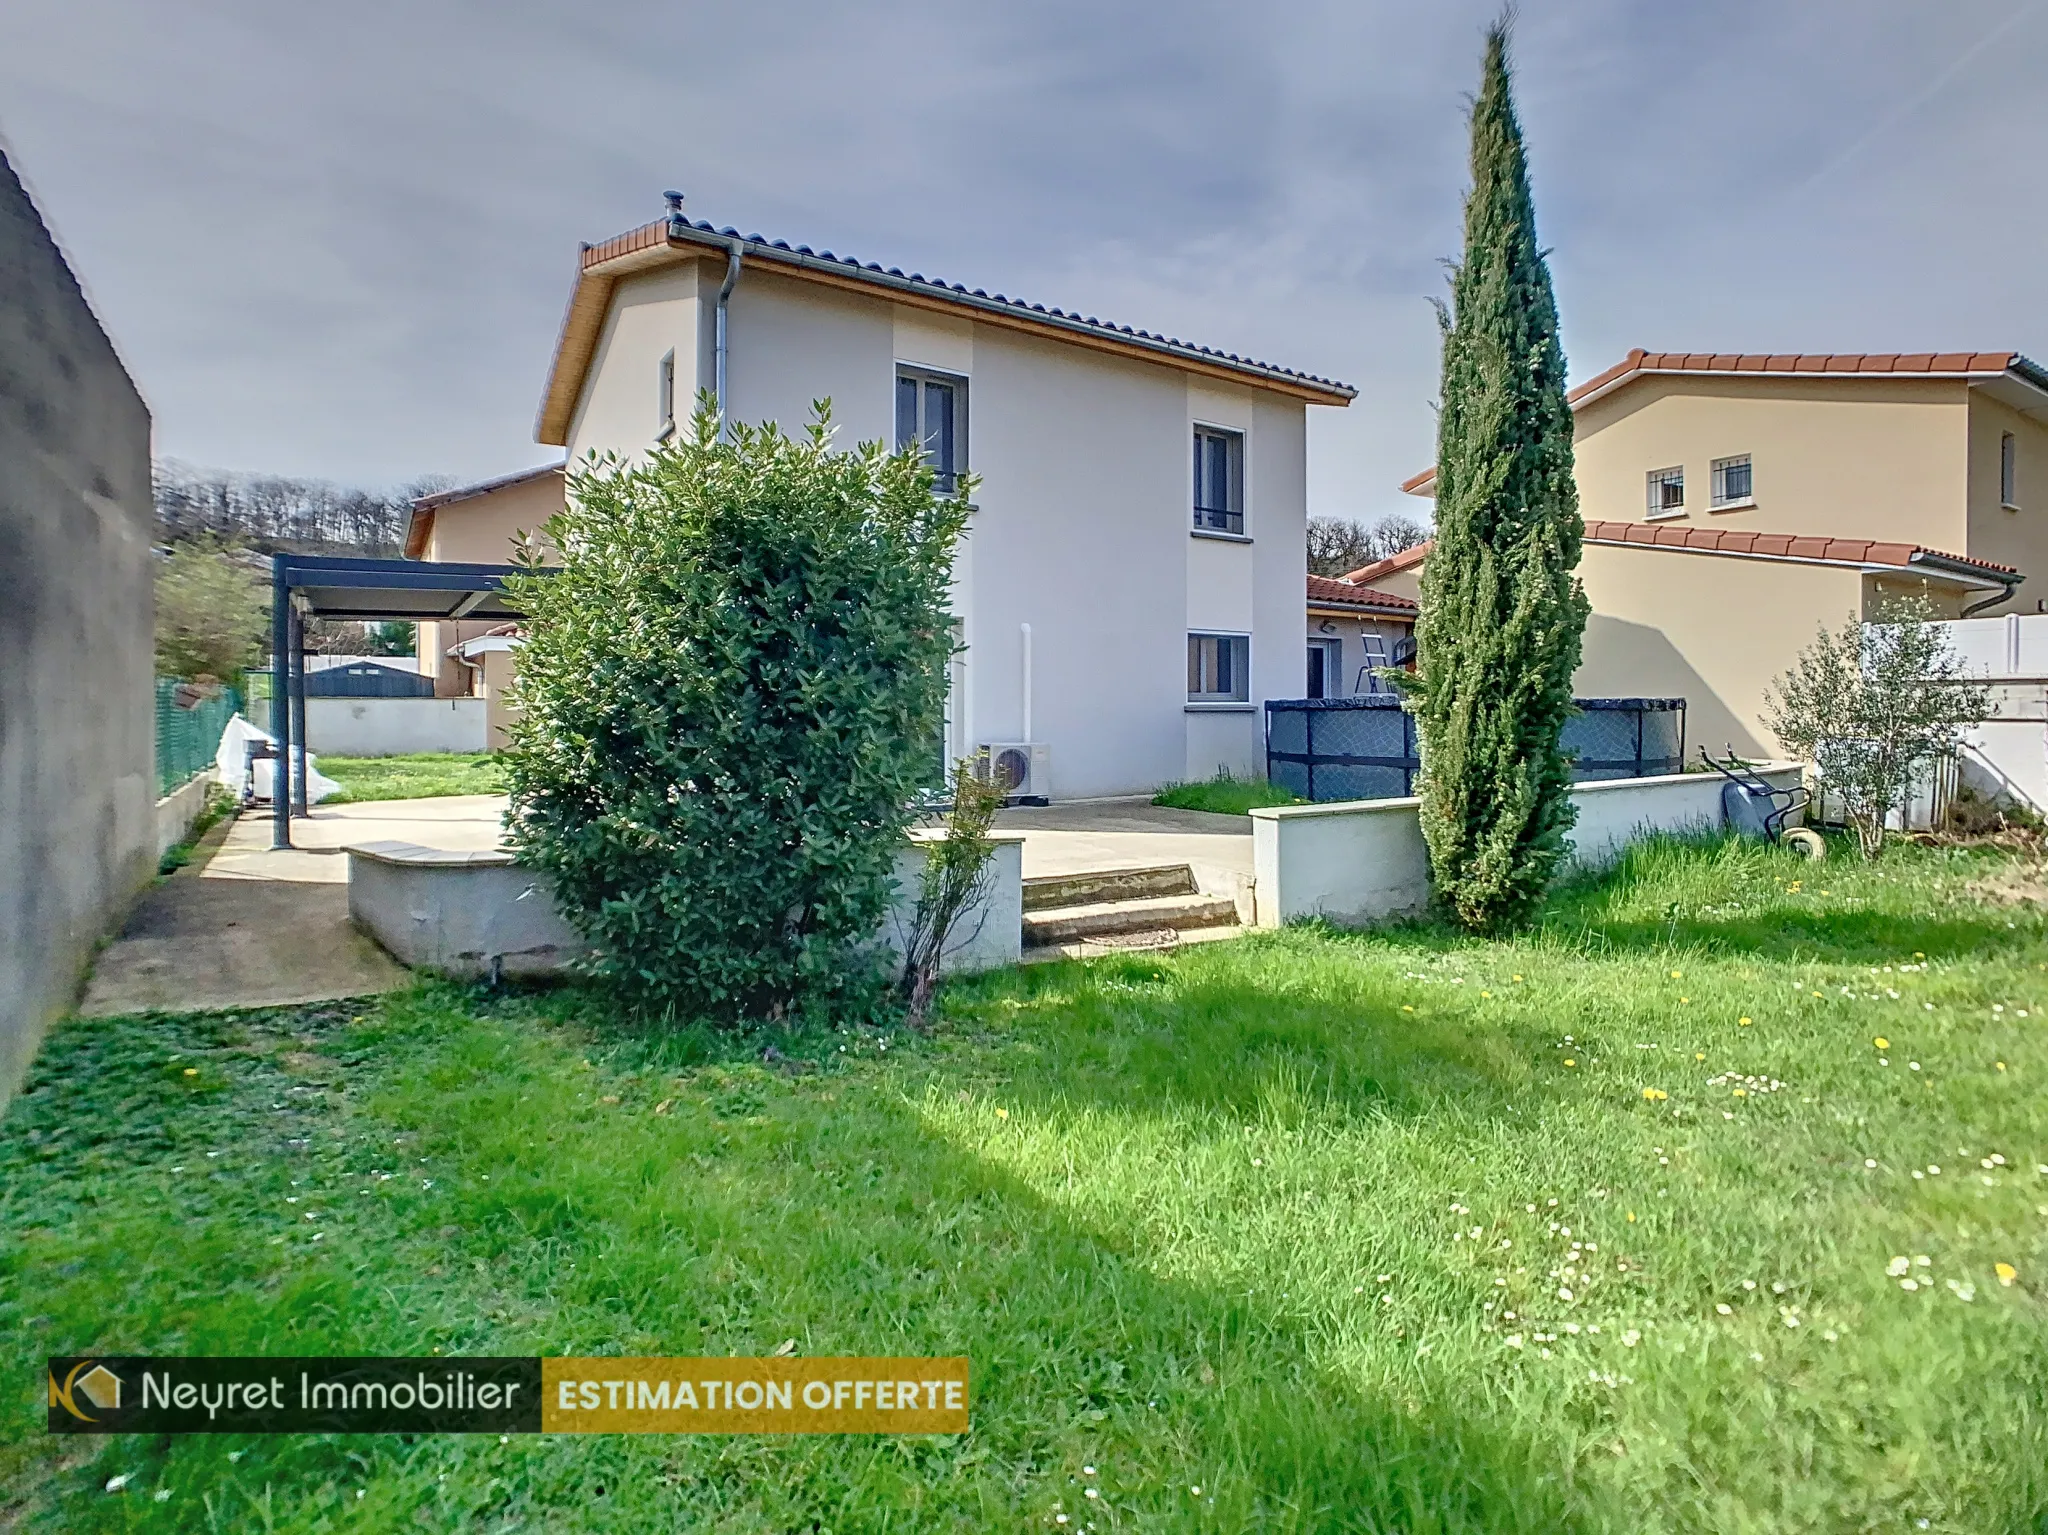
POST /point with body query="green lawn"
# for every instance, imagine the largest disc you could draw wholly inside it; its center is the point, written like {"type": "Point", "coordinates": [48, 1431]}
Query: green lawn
{"type": "Point", "coordinates": [426, 775]}
{"type": "Point", "coordinates": [1349, 1232]}
{"type": "Point", "coordinates": [1225, 795]}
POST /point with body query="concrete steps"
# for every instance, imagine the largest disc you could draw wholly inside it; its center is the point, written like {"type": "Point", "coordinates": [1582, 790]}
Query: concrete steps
{"type": "Point", "coordinates": [1120, 908]}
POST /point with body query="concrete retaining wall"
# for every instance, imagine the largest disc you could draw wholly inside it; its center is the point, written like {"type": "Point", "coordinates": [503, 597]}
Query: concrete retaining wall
{"type": "Point", "coordinates": [1360, 862]}
{"type": "Point", "coordinates": [176, 811]}
{"type": "Point", "coordinates": [471, 915]}
{"type": "Point", "coordinates": [77, 674]}
{"type": "Point", "coordinates": [395, 727]}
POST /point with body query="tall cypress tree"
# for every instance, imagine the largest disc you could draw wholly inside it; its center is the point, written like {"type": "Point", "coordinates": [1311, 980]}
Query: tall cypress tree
{"type": "Point", "coordinates": [1502, 614]}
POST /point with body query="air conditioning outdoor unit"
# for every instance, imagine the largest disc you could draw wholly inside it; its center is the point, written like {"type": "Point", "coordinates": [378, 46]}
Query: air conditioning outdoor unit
{"type": "Point", "coordinates": [1024, 768]}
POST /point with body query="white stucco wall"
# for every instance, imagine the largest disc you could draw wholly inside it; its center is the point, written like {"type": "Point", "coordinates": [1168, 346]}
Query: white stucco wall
{"type": "Point", "coordinates": [394, 727]}
{"type": "Point", "coordinates": [650, 315]}
{"type": "Point", "coordinates": [1082, 527]}
{"type": "Point", "coordinates": [1360, 862]}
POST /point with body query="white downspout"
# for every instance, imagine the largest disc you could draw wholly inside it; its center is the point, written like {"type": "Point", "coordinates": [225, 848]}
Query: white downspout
{"type": "Point", "coordinates": [721, 328]}
{"type": "Point", "coordinates": [1025, 631]}
{"type": "Point", "coordinates": [720, 343]}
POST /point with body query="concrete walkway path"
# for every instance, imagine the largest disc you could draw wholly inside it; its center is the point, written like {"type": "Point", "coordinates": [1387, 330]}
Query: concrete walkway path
{"type": "Point", "coordinates": [243, 926]}
{"type": "Point", "coordinates": [1084, 835]}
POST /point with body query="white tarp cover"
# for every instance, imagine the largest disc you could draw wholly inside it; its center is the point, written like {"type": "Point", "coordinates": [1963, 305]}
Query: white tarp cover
{"type": "Point", "coordinates": [236, 770]}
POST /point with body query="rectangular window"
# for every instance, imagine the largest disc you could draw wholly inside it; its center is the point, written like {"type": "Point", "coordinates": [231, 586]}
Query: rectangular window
{"type": "Point", "coordinates": [1667, 493]}
{"type": "Point", "coordinates": [665, 389]}
{"type": "Point", "coordinates": [1733, 485]}
{"type": "Point", "coordinates": [1219, 480]}
{"type": "Point", "coordinates": [2008, 465]}
{"type": "Point", "coordinates": [1219, 669]}
{"type": "Point", "coordinates": [931, 409]}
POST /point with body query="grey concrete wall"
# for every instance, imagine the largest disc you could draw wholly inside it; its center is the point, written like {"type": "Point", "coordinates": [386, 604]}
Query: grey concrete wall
{"type": "Point", "coordinates": [77, 713]}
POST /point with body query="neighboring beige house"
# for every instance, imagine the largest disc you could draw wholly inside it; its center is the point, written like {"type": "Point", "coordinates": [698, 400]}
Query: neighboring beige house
{"type": "Point", "coordinates": [1735, 503]}
{"type": "Point", "coordinates": [481, 525]}
{"type": "Point", "coordinates": [1129, 590]}
{"type": "Point", "coordinates": [1352, 630]}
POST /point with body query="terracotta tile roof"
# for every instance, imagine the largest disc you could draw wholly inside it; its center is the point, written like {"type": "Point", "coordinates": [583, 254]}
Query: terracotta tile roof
{"type": "Point", "coordinates": [652, 244]}
{"type": "Point", "coordinates": [1886, 364]}
{"type": "Point", "coordinates": [1331, 592]}
{"type": "Point", "coordinates": [1966, 365]}
{"type": "Point", "coordinates": [1407, 559]}
{"type": "Point", "coordinates": [421, 526]}
{"type": "Point", "coordinates": [1784, 546]}
{"type": "Point", "coordinates": [1789, 546]}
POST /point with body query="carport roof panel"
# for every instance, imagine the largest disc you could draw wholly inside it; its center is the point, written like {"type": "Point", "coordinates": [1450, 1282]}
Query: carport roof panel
{"type": "Point", "coordinates": [329, 586]}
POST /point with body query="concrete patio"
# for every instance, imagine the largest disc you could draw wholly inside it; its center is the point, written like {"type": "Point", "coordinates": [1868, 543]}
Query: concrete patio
{"type": "Point", "coordinates": [247, 926]}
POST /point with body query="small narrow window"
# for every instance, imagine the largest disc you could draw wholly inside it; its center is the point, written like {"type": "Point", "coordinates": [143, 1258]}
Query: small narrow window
{"type": "Point", "coordinates": [666, 390]}
{"type": "Point", "coordinates": [931, 410]}
{"type": "Point", "coordinates": [2008, 465]}
{"type": "Point", "coordinates": [1667, 493]}
{"type": "Point", "coordinates": [1219, 668]}
{"type": "Point", "coordinates": [1732, 483]}
{"type": "Point", "coordinates": [1219, 480]}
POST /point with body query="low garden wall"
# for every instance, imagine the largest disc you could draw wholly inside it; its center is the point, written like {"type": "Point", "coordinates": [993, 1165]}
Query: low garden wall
{"type": "Point", "coordinates": [1365, 860]}
{"type": "Point", "coordinates": [177, 811]}
{"type": "Point", "coordinates": [396, 727]}
{"type": "Point", "coordinates": [476, 915]}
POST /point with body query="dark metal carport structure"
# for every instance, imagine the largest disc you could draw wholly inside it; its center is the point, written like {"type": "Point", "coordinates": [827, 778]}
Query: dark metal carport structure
{"type": "Point", "coordinates": [306, 586]}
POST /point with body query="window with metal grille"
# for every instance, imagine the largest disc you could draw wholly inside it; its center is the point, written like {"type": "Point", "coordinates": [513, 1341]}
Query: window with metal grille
{"type": "Point", "coordinates": [931, 409]}
{"type": "Point", "coordinates": [1219, 668]}
{"type": "Point", "coordinates": [2008, 464]}
{"type": "Point", "coordinates": [1667, 492]}
{"type": "Point", "coordinates": [1219, 480]}
{"type": "Point", "coordinates": [665, 397]}
{"type": "Point", "coordinates": [1733, 485]}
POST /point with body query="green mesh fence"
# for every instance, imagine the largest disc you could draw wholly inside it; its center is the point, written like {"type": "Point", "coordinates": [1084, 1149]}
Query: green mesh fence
{"type": "Point", "coordinates": [187, 738]}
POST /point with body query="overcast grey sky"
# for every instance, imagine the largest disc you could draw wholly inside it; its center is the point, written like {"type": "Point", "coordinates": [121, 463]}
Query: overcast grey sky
{"type": "Point", "coordinates": [337, 239]}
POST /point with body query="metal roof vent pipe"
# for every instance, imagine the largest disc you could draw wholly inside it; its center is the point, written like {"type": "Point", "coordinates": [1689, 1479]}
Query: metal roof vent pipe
{"type": "Point", "coordinates": [675, 211]}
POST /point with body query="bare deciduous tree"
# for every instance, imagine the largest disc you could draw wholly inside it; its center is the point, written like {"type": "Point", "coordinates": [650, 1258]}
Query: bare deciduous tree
{"type": "Point", "coordinates": [269, 512]}
{"type": "Point", "coordinates": [1338, 546]}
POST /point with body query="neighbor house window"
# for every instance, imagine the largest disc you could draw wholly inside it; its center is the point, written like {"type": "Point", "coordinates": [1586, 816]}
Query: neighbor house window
{"type": "Point", "coordinates": [931, 409]}
{"type": "Point", "coordinates": [1219, 669]}
{"type": "Point", "coordinates": [665, 389]}
{"type": "Point", "coordinates": [1667, 492]}
{"type": "Point", "coordinates": [1219, 480]}
{"type": "Point", "coordinates": [1732, 483]}
{"type": "Point", "coordinates": [2008, 457]}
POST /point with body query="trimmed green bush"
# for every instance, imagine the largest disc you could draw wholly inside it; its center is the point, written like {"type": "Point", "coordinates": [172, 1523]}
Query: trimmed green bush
{"type": "Point", "coordinates": [729, 698]}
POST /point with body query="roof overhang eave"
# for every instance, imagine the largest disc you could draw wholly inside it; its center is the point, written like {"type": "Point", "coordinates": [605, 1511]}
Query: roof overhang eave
{"type": "Point", "coordinates": [1961, 572]}
{"type": "Point", "coordinates": [1360, 610]}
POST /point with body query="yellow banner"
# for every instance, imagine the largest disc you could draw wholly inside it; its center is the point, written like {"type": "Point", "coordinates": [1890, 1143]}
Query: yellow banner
{"type": "Point", "coordinates": [753, 1396]}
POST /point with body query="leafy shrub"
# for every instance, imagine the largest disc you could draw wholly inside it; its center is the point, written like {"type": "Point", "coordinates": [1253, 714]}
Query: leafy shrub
{"type": "Point", "coordinates": [729, 697]}
{"type": "Point", "coordinates": [212, 612]}
{"type": "Point", "coordinates": [1871, 706]}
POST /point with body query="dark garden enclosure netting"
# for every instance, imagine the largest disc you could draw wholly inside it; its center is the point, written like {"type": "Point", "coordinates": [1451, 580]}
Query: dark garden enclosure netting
{"type": "Point", "coordinates": [1326, 749]}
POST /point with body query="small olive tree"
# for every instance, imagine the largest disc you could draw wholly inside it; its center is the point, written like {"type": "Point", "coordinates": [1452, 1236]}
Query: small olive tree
{"type": "Point", "coordinates": [727, 701]}
{"type": "Point", "coordinates": [1869, 706]}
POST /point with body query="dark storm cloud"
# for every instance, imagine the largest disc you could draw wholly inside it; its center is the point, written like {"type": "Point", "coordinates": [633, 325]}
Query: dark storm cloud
{"type": "Point", "coordinates": [337, 239]}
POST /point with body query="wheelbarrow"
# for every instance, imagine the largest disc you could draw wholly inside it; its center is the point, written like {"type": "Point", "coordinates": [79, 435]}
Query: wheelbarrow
{"type": "Point", "coordinates": [1759, 809]}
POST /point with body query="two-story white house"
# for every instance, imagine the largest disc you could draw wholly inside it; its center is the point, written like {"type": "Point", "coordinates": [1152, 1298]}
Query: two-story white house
{"type": "Point", "coordinates": [1130, 589]}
